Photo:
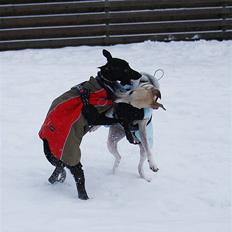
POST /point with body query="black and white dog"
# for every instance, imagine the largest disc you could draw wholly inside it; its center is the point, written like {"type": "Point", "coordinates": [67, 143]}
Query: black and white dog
{"type": "Point", "coordinates": [72, 113]}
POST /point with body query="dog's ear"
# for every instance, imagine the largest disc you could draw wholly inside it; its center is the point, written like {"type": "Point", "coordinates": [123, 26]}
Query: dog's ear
{"type": "Point", "coordinates": [156, 92]}
{"type": "Point", "coordinates": [107, 54]}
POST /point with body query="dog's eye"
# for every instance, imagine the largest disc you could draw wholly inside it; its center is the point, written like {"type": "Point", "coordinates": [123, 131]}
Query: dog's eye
{"type": "Point", "coordinates": [156, 99]}
{"type": "Point", "coordinates": [126, 70]}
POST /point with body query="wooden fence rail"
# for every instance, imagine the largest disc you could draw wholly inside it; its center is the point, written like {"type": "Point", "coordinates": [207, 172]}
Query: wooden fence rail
{"type": "Point", "coordinates": [46, 23]}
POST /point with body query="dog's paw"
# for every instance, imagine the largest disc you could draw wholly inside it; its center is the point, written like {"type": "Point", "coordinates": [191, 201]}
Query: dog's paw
{"type": "Point", "coordinates": [83, 196]}
{"type": "Point", "coordinates": [133, 140]}
{"type": "Point", "coordinates": [154, 169]}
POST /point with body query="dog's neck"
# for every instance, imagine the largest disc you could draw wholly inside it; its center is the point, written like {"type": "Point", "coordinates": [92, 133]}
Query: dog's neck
{"type": "Point", "coordinates": [109, 86]}
{"type": "Point", "coordinates": [100, 75]}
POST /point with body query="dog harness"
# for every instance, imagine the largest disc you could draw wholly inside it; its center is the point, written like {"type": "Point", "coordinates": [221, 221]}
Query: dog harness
{"type": "Point", "coordinates": [149, 128]}
{"type": "Point", "coordinates": [83, 93]}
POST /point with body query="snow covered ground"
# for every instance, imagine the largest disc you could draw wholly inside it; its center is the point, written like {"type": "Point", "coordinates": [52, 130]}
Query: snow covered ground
{"type": "Point", "coordinates": [192, 190]}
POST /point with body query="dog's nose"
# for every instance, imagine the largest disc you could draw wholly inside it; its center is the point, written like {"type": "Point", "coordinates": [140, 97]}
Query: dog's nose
{"type": "Point", "coordinates": [134, 74]}
{"type": "Point", "coordinates": [138, 75]}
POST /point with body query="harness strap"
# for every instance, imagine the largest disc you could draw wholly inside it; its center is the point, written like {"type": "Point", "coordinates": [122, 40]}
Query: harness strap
{"type": "Point", "coordinates": [84, 94]}
{"type": "Point", "coordinates": [136, 127]}
{"type": "Point", "coordinates": [149, 121]}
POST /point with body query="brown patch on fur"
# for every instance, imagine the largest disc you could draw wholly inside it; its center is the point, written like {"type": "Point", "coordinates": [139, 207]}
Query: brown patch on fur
{"type": "Point", "coordinates": [142, 97]}
{"type": "Point", "coordinates": [146, 98]}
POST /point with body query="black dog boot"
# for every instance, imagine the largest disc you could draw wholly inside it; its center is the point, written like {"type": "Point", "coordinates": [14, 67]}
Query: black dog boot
{"type": "Point", "coordinates": [82, 194]}
{"type": "Point", "coordinates": [79, 177]}
{"type": "Point", "coordinates": [58, 175]}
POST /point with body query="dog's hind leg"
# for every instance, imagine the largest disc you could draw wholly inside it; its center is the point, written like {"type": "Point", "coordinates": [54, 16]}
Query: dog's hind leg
{"type": "Point", "coordinates": [116, 133]}
{"type": "Point", "coordinates": [141, 162]}
{"type": "Point", "coordinates": [59, 174]}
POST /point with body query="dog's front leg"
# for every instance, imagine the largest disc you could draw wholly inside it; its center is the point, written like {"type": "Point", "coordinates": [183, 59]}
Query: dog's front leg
{"type": "Point", "coordinates": [141, 162]}
{"type": "Point", "coordinates": [144, 141]}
